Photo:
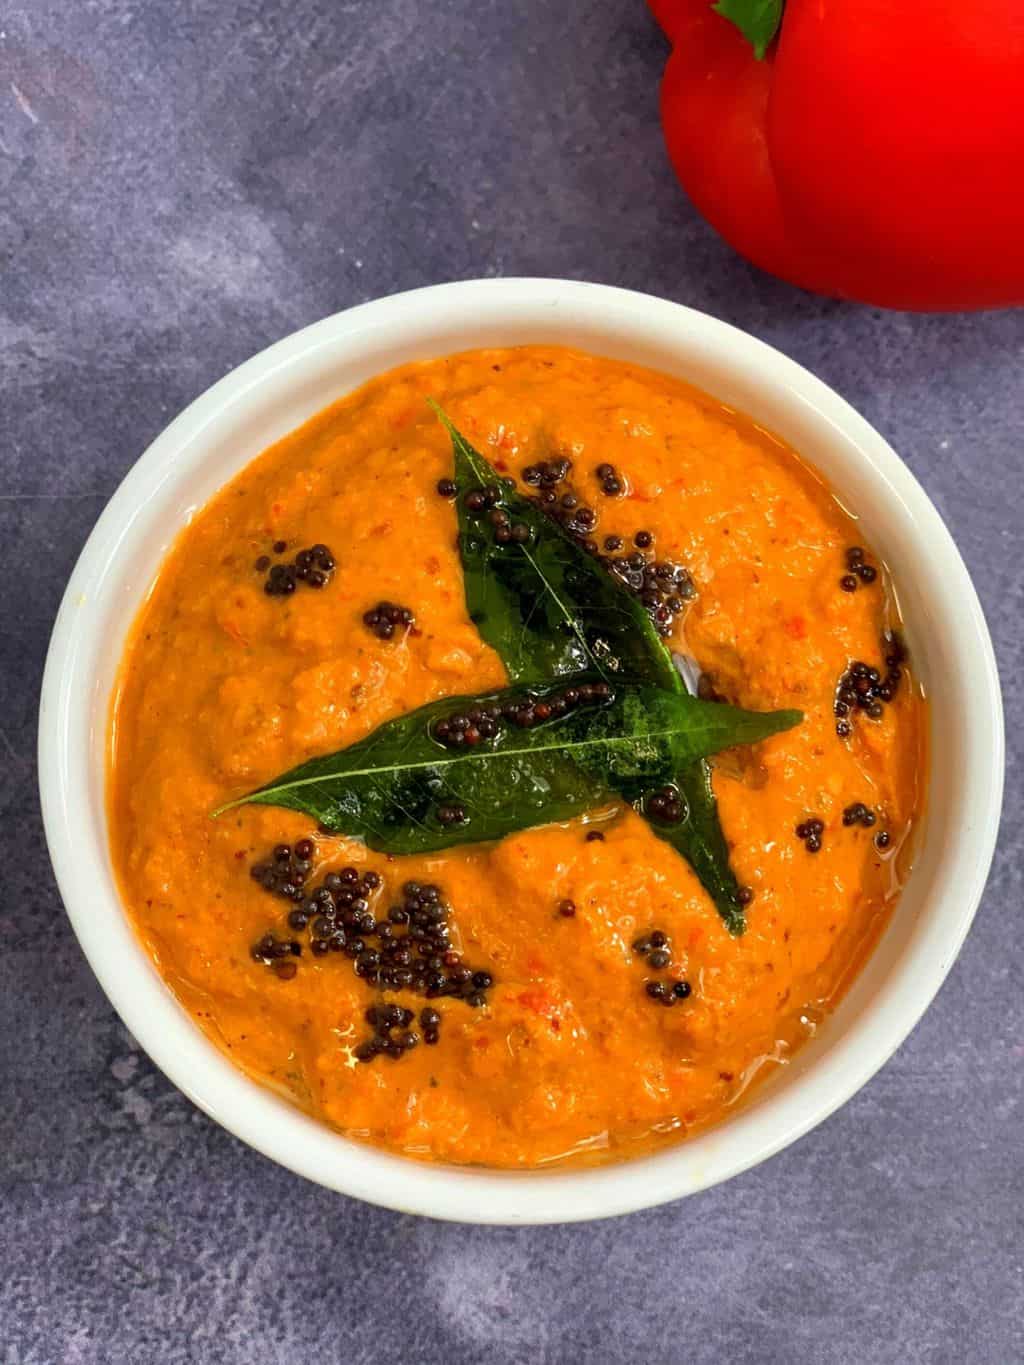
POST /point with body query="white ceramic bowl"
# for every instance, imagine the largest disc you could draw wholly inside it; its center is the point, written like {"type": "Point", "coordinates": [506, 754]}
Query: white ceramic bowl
{"type": "Point", "coordinates": [278, 389]}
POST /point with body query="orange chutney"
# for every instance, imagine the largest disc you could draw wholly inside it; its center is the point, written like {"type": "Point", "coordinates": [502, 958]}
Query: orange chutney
{"type": "Point", "coordinates": [223, 687]}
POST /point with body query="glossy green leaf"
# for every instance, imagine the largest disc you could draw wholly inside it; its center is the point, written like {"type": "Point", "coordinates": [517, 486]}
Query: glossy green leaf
{"type": "Point", "coordinates": [390, 787]}
{"type": "Point", "coordinates": [701, 841]}
{"type": "Point", "coordinates": [548, 607]}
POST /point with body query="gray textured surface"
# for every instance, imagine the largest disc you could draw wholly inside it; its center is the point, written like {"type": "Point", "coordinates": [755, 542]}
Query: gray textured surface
{"type": "Point", "coordinates": [182, 182]}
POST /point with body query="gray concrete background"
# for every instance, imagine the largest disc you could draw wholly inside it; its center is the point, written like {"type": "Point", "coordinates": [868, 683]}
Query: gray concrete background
{"type": "Point", "coordinates": [182, 182]}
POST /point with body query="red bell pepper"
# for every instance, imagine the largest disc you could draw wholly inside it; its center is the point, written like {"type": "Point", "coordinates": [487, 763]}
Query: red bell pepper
{"type": "Point", "coordinates": [874, 152]}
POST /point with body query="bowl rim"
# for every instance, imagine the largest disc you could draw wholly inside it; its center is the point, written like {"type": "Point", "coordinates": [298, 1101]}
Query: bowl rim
{"type": "Point", "coordinates": [276, 1128]}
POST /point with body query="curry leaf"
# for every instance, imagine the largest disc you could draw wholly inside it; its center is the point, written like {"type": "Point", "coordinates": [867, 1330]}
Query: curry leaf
{"type": "Point", "coordinates": [547, 606]}
{"type": "Point", "coordinates": [757, 20]}
{"type": "Point", "coordinates": [397, 787]}
{"type": "Point", "coordinates": [701, 841]}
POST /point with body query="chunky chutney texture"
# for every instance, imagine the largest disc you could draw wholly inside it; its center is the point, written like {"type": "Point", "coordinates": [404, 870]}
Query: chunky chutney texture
{"type": "Point", "coordinates": [594, 1004]}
